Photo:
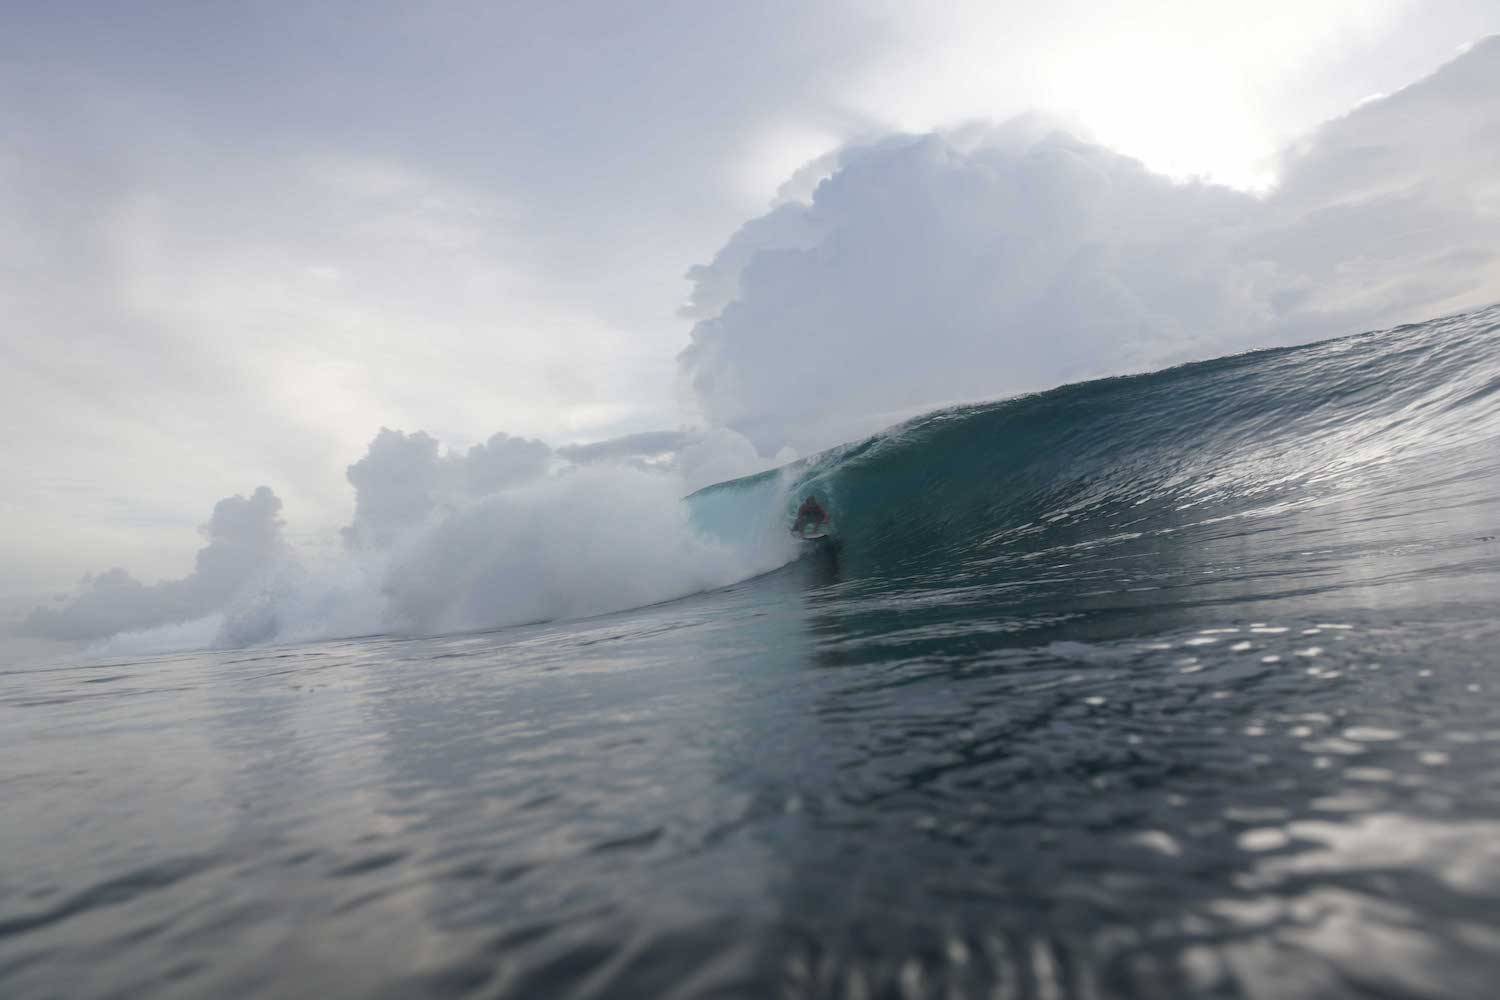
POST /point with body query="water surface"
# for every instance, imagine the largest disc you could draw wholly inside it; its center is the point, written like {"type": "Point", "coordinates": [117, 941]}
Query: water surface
{"type": "Point", "coordinates": [1178, 685]}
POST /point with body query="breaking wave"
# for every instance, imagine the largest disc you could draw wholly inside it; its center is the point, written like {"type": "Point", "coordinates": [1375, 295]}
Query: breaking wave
{"type": "Point", "coordinates": [942, 494]}
{"type": "Point", "coordinates": [935, 502]}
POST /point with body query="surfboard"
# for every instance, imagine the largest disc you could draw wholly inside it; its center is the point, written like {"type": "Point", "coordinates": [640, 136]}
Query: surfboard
{"type": "Point", "coordinates": [812, 532]}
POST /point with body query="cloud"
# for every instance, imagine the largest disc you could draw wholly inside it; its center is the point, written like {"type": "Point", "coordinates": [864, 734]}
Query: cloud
{"type": "Point", "coordinates": [990, 260]}
{"type": "Point", "coordinates": [402, 479]}
{"type": "Point", "coordinates": [244, 542]}
{"type": "Point", "coordinates": [1392, 212]}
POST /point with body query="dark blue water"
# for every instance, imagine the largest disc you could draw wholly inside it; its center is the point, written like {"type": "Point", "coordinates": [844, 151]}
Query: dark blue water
{"type": "Point", "coordinates": [1184, 684]}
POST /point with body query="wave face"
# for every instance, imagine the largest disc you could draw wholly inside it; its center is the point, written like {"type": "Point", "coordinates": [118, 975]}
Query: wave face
{"type": "Point", "coordinates": [955, 495]}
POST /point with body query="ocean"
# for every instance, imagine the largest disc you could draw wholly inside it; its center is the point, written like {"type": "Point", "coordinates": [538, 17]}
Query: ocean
{"type": "Point", "coordinates": [1182, 684]}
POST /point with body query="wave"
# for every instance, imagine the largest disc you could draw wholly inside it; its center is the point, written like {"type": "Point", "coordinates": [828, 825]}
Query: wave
{"type": "Point", "coordinates": [940, 501]}
{"type": "Point", "coordinates": [586, 542]}
{"type": "Point", "coordinates": [941, 494]}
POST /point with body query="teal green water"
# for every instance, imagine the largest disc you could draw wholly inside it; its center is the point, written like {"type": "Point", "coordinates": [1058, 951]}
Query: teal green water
{"type": "Point", "coordinates": [1182, 684]}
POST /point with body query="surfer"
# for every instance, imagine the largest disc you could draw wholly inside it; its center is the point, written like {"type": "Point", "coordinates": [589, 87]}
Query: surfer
{"type": "Point", "coordinates": [810, 513]}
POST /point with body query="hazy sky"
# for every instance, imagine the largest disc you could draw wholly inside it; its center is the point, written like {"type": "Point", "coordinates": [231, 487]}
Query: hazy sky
{"type": "Point", "coordinates": [237, 239]}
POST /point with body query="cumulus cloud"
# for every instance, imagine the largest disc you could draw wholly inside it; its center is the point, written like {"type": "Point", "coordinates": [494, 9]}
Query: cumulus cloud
{"type": "Point", "coordinates": [990, 260]}
{"type": "Point", "coordinates": [403, 478]}
{"type": "Point", "coordinates": [244, 541]}
{"type": "Point", "coordinates": [1392, 212]}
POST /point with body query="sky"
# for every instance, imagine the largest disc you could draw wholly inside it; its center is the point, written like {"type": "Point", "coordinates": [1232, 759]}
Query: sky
{"type": "Point", "coordinates": [237, 241]}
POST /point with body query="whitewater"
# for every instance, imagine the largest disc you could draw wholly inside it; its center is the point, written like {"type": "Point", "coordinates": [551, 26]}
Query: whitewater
{"type": "Point", "coordinates": [1173, 684]}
